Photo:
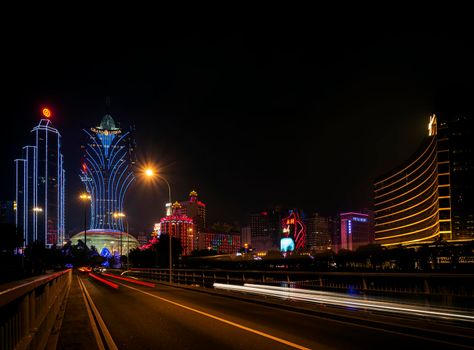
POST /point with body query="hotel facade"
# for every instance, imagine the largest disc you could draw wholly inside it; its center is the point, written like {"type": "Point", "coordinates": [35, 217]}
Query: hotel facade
{"type": "Point", "coordinates": [414, 203]}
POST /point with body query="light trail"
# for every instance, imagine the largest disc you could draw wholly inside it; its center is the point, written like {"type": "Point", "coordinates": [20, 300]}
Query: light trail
{"type": "Point", "coordinates": [345, 301]}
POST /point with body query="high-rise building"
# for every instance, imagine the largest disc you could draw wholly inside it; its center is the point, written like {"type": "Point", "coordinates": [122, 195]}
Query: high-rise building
{"type": "Point", "coordinates": [318, 233]}
{"type": "Point", "coordinates": [460, 134]}
{"type": "Point", "coordinates": [180, 226]}
{"type": "Point", "coordinates": [40, 183]}
{"type": "Point", "coordinates": [196, 210]}
{"type": "Point", "coordinates": [7, 212]}
{"type": "Point", "coordinates": [431, 195]}
{"type": "Point", "coordinates": [107, 173]}
{"type": "Point", "coordinates": [265, 229]}
{"type": "Point", "coordinates": [355, 230]}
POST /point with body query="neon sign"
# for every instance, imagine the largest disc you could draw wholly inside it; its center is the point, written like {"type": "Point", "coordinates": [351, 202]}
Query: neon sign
{"type": "Point", "coordinates": [46, 112]}
{"type": "Point", "coordinates": [360, 219]}
{"type": "Point", "coordinates": [295, 230]}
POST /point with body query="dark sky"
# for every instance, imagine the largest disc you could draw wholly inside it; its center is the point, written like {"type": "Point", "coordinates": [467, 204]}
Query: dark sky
{"type": "Point", "coordinates": [249, 118]}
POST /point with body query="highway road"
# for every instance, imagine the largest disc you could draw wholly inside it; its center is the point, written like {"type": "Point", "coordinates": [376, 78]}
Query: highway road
{"type": "Point", "coordinates": [165, 317]}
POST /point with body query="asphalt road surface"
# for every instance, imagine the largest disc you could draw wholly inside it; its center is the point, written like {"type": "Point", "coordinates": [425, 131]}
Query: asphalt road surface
{"type": "Point", "coordinates": [164, 317]}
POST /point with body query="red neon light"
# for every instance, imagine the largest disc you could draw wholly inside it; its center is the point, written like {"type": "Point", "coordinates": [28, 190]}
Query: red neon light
{"type": "Point", "coordinates": [148, 284]}
{"type": "Point", "coordinates": [46, 112]}
{"type": "Point", "coordinates": [84, 167]}
{"type": "Point", "coordinates": [298, 230]}
{"type": "Point", "coordinates": [110, 284]}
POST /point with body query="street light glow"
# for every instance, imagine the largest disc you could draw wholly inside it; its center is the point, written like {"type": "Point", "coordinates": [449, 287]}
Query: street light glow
{"type": "Point", "coordinates": [149, 172]}
{"type": "Point", "coordinates": [85, 196]}
{"type": "Point", "coordinates": [119, 215]}
{"type": "Point", "coordinates": [37, 209]}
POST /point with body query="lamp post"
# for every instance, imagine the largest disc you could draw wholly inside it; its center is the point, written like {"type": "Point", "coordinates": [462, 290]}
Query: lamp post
{"type": "Point", "coordinates": [123, 216]}
{"type": "Point", "coordinates": [36, 211]}
{"type": "Point", "coordinates": [151, 173]}
{"type": "Point", "coordinates": [85, 197]}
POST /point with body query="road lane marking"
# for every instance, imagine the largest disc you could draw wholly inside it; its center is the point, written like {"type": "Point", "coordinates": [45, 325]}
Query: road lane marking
{"type": "Point", "coordinates": [108, 338]}
{"type": "Point", "coordinates": [248, 329]}
{"type": "Point", "coordinates": [98, 339]}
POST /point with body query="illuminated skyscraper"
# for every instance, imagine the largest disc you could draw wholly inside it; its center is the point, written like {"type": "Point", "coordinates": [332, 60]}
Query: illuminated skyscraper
{"type": "Point", "coordinates": [180, 226]}
{"type": "Point", "coordinates": [265, 229]}
{"type": "Point", "coordinates": [318, 234]}
{"type": "Point", "coordinates": [430, 196]}
{"type": "Point", "coordinates": [196, 210]}
{"type": "Point", "coordinates": [40, 182]}
{"type": "Point", "coordinates": [107, 172]}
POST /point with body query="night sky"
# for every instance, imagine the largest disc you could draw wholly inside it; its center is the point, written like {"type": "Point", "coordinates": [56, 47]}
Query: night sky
{"type": "Point", "coordinates": [249, 119]}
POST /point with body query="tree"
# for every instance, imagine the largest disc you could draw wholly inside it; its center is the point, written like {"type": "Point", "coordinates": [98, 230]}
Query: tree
{"type": "Point", "coordinates": [11, 238]}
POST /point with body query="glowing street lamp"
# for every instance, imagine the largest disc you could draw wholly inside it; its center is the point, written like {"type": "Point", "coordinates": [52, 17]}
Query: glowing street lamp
{"type": "Point", "coordinates": [123, 216]}
{"type": "Point", "coordinates": [37, 209]}
{"type": "Point", "coordinates": [151, 173]}
{"type": "Point", "coordinates": [85, 197]}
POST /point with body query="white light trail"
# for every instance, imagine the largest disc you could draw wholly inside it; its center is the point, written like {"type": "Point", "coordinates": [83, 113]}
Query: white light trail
{"type": "Point", "coordinates": [346, 301]}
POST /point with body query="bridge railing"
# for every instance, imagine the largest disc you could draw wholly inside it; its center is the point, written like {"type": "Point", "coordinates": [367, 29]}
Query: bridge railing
{"type": "Point", "coordinates": [442, 287]}
{"type": "Point", "coordinates": [29, 310]}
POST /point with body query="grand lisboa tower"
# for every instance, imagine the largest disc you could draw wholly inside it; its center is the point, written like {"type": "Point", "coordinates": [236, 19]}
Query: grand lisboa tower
{"type": "Point", "coordinates": [107, 173]}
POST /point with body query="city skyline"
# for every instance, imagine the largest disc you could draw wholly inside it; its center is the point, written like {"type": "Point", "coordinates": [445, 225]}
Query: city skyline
{"type": "Point", "coordinates": [244, 148]}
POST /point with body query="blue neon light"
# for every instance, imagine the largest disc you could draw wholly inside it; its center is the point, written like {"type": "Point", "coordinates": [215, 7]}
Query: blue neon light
{"type": "Point", "coordinates": [107, 174]}
{"type": "Point", "coordinates": [287, 244]}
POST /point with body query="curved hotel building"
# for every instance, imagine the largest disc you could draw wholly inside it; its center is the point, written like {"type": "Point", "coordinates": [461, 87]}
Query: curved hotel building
{"type": "Point", "coordinates": [412, 204]}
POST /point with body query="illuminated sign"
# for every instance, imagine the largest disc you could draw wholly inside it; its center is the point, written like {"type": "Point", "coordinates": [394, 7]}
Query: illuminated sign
{"type": "Point", "coordinates": [287, 244]}
{"type": "Point", "coordinates": [349, 226]}
{"type": "Point", "coordinates": [46, 112]}
{"type": "Point", "coordinates": [360, 219]}
{"type": "Point", "coordinates": [294, 229]}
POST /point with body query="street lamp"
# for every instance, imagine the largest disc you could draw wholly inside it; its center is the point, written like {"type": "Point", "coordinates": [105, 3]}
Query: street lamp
{"type": "Point", "coordinates": [123, 216]}
{"type": "Point", "coordinates": [85, 197]}
{"type": "Point", "coordinates": [149, 172]}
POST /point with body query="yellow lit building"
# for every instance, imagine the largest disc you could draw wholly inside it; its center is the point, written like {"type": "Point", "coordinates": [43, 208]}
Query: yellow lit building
{"type": "Point", "coordinates": [412, 204]}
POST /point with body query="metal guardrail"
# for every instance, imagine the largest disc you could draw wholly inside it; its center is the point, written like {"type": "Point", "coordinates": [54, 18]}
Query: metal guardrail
{"type": "Point", "coordinates": [29, 310]}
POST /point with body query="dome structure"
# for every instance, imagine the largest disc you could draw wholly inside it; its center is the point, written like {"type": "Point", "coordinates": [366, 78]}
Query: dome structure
{"type": "Point", "coordinates": [108, 242]}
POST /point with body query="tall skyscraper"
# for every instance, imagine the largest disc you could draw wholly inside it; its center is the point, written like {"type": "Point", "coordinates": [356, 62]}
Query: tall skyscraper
{"type": "Point", "coordinates": [432, 194]}
{"type": "Point", "coordinates": [180, 226]}
{"type": "Point", "coordinates": [460, 135]}
{"type": "Point", "coordinates": [107, 172]}
{"type": "Point", "coordinates": [265, 229]}
{"type": "Point", "coordinates": [318, 233]}
{"type": "Point", "coordinates": [40, 184]}
{"type": "Point", "coordinates": [196, 210]}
